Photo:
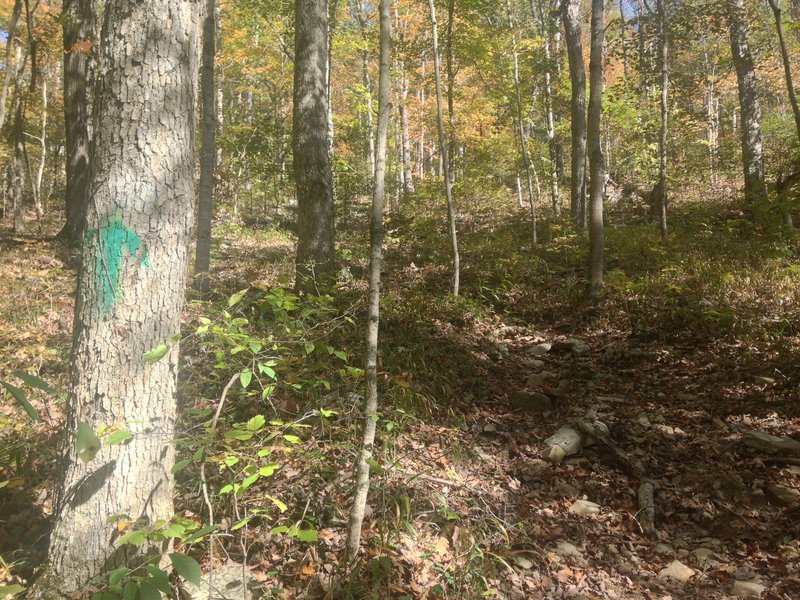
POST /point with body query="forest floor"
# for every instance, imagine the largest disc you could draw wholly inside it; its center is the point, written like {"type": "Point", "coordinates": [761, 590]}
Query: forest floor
{"type": "Point", "coordinates": [695, 346]}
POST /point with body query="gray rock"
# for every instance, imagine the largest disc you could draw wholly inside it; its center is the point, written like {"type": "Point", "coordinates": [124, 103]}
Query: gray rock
{"type": "Point", "coordinates": [564, 549]}
{"type": "Point", "coordinates": [584, 507]}
{"type": "Point", "coordinates": [225, 583]}
{"type": "Point", "coordinates": [531, 402]}
{"type": "Point", "coordinates": [785, 496]}
{"type": "Point", "coordinates": [748, 589]}
{"type": "Point", "coordinates": [676, 570]}
{"type": "Point", "coordinates": [540, 349]}
{"type": "Point", "coordinates": [771, 443]}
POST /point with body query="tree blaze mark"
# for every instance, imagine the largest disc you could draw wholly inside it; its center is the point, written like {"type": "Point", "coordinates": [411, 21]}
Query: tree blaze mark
{"type": "Point", "coordinates": [112, 240]}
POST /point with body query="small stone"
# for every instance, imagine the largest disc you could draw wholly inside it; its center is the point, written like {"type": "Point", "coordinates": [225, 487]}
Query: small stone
{"type": "Point", "coordinates": [522, 562]}
{"type": "Point", "coordinates": [643, 420]}
{"type": "Point", "coordinates": [531, 402]}
{"type": "Point", "coordinates": [703, 555]}
{"type": "Point", "coordinates": [584, 507]}
{"type": "Point", "coordinates": [763, 380]}
{"type": "Point", "coordinates": [677, 571]}
{"type": "Point", "coordinates": [785, 496]}
{"type": "Point", "coordinates": [663, 549]}
{"type": "Point", "coordinates": [535, 363]}
{"type": "Point", "coordinates": [554, 454]}
{"type": "Point", "coordinates": [748, 589]}
{"type": "Point", "coordinates": [226, 582]}
{"type": "Point", "coordinates": [564, 549]}
{"type": "Point", "coordinates": [540, 349]}
{"type": "Point", "coordinates": [490, 428]}
{"type": "Point", "coordinates": [718, 424]}
{"type": "Point", "coordinates": [665, 429]}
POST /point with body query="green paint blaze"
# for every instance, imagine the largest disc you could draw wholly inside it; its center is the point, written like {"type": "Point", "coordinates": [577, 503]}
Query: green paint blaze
{"type": "Point", "coordinates": [113, 239]}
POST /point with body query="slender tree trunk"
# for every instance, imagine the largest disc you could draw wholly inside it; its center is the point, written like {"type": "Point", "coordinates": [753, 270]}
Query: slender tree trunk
{"type": "Point", "coordinates": [623, 21]}
{"type": "Point", "coordinates": [520, 123]}
{"type": "Point", "coordinates": [130, 291]}
{"type": "Point", "coordinates": [422, 103]}
{"type": "Point", "coordinates": [451, 84]}
{"type": "Point", "coordinates": [219, 78]}
{"type": "Point", "coordinates": [11, 40]}
{"type": "Point", "coordinates": [596, 164]}
{"type": "Point", "coordinates": [662, 143]}
{"type": "Point", "coordinates": [19, 144]}
{"type": "Point", "coordinates": [367, 80]}
{"type": "Point", "coordinates": [448, 186]}
{"type": "Point", "coordinates": [572, 30]}
{"type": "Point", "coordinates": [78, 28]}
{"type": "Point", "coordinates": [752, 160]}
{"type": "Point", "coordinates": [373, 317]}
{"type": "Point", "coordinates": [787, 66]}
{"type": "Point", "coordinates": [42, 145]}
{"type": "Point", "coordinates": [313, 179]}
{"type": "Point", "coordinates": [407, 177]}
{"type": "Point", "coordinates": [205, 201]}
{"type": "Point", "coordinates": [545, 30]}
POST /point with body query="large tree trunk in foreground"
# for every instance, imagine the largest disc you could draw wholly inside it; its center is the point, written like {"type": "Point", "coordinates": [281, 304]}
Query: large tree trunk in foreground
{"type": "Point", "coordinates": [752, 160]}
{"type": "Point", "coordinates": [205, 201]}
{"type": "Point", "coordinates": [448, 184]}
{"type": "Point", "coordinates": [312, 169]}
{"type": "Point", "coordinates": [373, 317]}
{"type": "Point", "coordinates": [130, 289]}
{"type": "Point", "coordinates": [596, 162]}
{"type": "Point", "coordinates": [79, 26]}
{"type": "Point", "coordinates": [577, 74]}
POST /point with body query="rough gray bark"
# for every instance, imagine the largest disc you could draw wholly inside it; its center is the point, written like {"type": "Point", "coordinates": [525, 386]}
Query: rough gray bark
{"type": "Point", "coordinates": [752, 161]}
{"type": "Point", "coordinates": [787, 65]}
{"type": "Point", "coordinates": [444, 159]}
{"type": "Point", "coordinates": [661, 201]}
{"type": "Point", "coordinates": [312, 170]}
{"type": "Point", "coordinates": [523, 140]}
{"type": "Point", "coordinates": [596, 161]}
{"type": "Point", "coordinates": [570, 11]}
{"type": "Point", "coordinates": [131, 287]}
{"type": "Point", "coordinates": [11, 36]}
{"type": "Point", "coordinates": [451, 84]}
{"type": "Point", "coordinates": [373, 316]}
{"type": "Point", "coordinates": [205, 200]}
{"type": "Point", "coordinates": [79, 32]}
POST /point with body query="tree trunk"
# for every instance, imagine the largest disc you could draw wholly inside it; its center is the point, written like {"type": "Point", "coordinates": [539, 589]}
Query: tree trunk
{"type": "Point", "coordinates": [661, 201]}
{"type": "Point", "coordinates": [520, 126]}
{"type": "Point", "coordinates": [19, 144]}
{"type": "Point", "coordinates": [545, 30]}
{"type": "Point", "coordinates": [444, 159]}
{"type": "Point", "coordinates": [752, 162]}
{"type": "Point", "coordinates": [596, 162]}
{"type": "Point", "coordinates": [373, 317]}
{"type": "Point", "coordinates": [451, 84]}
{"type": "Point", "coordinates": [577, 73]}
{"type": "Point", "coordinates": [205, 200]}
{"type": "Point", "coordinates": [787, 66]}
{"type": "Point", "coordinates": [79, 28]}
{"type": "Point", "coordinates": [623, 21]}
{"type": "Point", "coordinates": [312, 170]}
{"type": "Point", "coordinates": [11, 36]}
{"type": "Point", "coordinates": [130, 290]}
{"type": "Point", "coordinates": [367, 81]}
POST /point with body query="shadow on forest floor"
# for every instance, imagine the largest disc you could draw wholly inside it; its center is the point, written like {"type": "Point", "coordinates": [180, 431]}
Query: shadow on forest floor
{"type": "Point", "coordinates": [695, 346]}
